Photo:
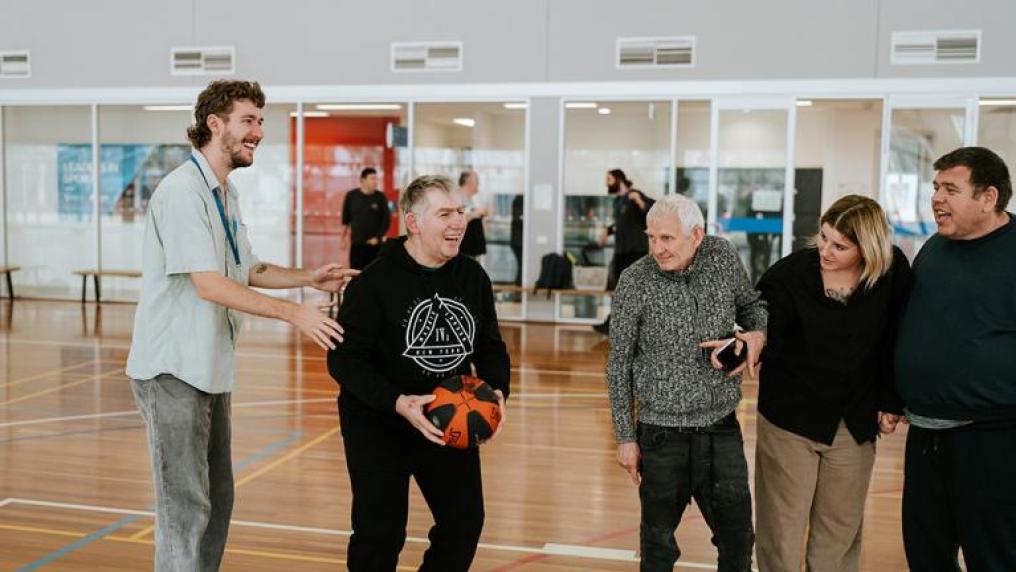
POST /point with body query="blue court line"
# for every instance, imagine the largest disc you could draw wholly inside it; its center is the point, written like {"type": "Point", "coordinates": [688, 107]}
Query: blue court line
{"type": "Point", "coordinates": [80, 543]}
{"type": "Point", "coordinates": [99, 534]}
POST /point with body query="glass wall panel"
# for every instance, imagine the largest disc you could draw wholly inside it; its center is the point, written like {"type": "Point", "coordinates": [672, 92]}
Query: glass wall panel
{"type": "Point", "coordinates": [751, 180]}
{"type": "Point", "coordinates": [50, 198]}
{"type": "Point", "coordinates": [633, 136]}
{"type": "Point", "coordinates": [918, 138]}
{"type": "Point", "coordinates": [142, 144]}
{"type": "Point", "coordinates": [694, 154]}
{"type": "Point", "coordinates": [139, 145]}
{"type": "Point", "coordinates": [489, 138]}
{"type": "Point", "coordinates": [340, 140]}
{"type": "Point", "coordinates": [996, 130]}
{"type": "Point", "coordinates": [837, 149]}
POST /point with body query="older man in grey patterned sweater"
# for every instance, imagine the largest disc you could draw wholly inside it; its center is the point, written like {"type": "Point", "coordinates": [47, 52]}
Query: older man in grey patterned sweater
{"type": "Point", "coordinates": [672, 403]}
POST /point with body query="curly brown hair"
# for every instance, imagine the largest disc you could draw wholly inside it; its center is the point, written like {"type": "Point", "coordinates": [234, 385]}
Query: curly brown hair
{"type": "Point", "coordinates": [218, 99]}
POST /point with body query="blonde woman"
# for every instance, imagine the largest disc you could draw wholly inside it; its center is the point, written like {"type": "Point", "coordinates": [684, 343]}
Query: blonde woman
{"type": "Point", "coordinates": [826, 389]}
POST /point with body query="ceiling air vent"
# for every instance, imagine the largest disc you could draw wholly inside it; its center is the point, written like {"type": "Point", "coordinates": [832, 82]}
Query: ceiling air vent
{"type": "Point", "coordinates": [220, 60]}
{"type": "Point", "coordinates": [674, 52]}
{"type": "Point", "coordinates": [426, 56]}
{"type": "Point", "coordinates": [15, 64]}
{"type": "Point", "coordinates": [933, 48]}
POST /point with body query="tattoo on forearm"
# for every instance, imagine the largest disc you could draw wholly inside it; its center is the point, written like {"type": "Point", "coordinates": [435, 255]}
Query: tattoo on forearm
{"type": "Point", "coordinates": [260, 268]}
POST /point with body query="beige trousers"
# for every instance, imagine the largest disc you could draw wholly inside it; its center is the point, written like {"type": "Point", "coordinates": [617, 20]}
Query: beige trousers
{"type": "Point", "coordinates": [803, 487]}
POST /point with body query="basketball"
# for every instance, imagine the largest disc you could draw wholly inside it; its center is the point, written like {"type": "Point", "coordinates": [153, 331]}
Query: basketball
{"type": "Point", "coordinates": [466, 409]}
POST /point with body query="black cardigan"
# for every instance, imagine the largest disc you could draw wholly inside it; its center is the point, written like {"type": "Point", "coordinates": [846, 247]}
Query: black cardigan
{"type": "Point", "coordinates": [824, 360]}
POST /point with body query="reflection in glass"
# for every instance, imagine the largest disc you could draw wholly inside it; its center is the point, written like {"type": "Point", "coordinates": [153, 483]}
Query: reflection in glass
{"type": "Point", "coordinates": [996, 130]}
{"type": "Point", "coordinates": [49, 198]}
{"type": "Point", "coordinates": [631, 136]}
{"type": "Point", "coordinates": [918, 138]}
{"type": "Point", "coordinates": [340, 140]}
{"type": "Point", "coordinates": [488, 139]}
{"type": "Point", "coordinates": [837, 150]}
{"type": "Point", "coordinates": [138, 147]}
{"type": "Point", "coordinates": [751, 181]}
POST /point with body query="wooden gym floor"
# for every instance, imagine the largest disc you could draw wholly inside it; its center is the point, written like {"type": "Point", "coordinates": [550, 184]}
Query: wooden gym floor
{"type": "Point", "coordinates": [76, 494]}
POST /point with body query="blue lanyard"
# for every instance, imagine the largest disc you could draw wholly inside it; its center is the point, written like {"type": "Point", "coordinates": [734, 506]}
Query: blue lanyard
{"type": "Point", "coordinates": [222, 214]}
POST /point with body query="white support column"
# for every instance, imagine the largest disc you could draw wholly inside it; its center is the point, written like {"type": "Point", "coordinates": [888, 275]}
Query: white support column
{"type": "Point", "coordinates": [789, 187]}
{"type": "Point", "coordinates": [714, 151]}
{"type": "Point", "coordinates": [96, 190]}
{"type": "Point", "coordinates": [672, 161]}
{"type": "Point", "coordinates": [298, 251]}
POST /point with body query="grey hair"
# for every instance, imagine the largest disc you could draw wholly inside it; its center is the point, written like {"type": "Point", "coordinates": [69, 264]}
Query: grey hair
{"type": "Point", "coordinates": [688, 213]}
{"type": "Point", "coordinates": [414, 198]}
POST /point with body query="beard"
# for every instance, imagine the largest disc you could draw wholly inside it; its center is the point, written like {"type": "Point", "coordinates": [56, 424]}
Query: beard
{"type": "Point", "coordinates": [614, 188]}
{"type": "Point", "coordinates": [235, 149]}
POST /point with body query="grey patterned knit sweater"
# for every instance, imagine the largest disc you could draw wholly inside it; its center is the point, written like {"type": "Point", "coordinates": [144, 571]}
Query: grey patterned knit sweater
{"type": "Point", "coordinates": [656, 369]}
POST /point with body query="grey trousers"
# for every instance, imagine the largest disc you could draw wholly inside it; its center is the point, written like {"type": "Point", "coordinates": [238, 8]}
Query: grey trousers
{"type": "Point", "coordinates": [189, 441]}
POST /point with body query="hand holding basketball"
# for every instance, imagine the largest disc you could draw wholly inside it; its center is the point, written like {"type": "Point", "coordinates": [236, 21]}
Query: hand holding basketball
{"type": "Point", "coordinates": [411, 407]}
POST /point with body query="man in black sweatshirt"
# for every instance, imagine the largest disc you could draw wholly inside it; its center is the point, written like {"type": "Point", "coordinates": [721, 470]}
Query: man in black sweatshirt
{"type": "Point", "coordinates": [419, 314]}
{"type": "Point", "coordinates": [956, 373]}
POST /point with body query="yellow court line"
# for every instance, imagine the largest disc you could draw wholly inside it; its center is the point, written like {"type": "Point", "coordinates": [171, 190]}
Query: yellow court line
{"type": "Point", "coordinates": [44, 374]}
{"type": "Point", "coordinates": [243, 551]}
{"type": "Point", "coordinates": [147, 530]}
{"type": "Point", "coordinates": [60, 387]}
{"type": "Point", "coordinates": [42, 530]}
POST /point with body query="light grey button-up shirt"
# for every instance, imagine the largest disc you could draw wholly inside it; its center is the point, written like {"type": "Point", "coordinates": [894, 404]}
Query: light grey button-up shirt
{"type": "Point", "coordinates": [175, 331]}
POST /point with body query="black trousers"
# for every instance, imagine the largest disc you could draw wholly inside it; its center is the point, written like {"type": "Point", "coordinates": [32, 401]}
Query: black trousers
{"type": "Point", "coordinates": [959, 491]}
{"type": "Point", "coordinates": [360, 255]}
{"type": "Point", "coordinates": [706, 464]}
{"type": "Point", "coordinates": [382, 453]}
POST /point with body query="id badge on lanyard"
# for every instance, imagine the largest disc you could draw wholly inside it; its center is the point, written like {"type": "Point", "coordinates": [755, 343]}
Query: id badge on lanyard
{"type": "Point", "coordinates": [229, 225]}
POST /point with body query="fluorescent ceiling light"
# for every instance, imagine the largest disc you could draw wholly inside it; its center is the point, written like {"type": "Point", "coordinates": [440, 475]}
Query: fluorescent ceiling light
{"type": "Point", "coordinates": [580, 105]}
{"type": "Point", "coordinates": [516, 105]}
{"type": "Point", "coordinates": [998, 102]}
{"type": "Point", "coordinates": [310, 114]}
{"type": "Point", "coordinates": [359, 106]}
{"type": "Point", "coordinates": [805, 103]}
{"type": "Point", "coordinates": [603, 111]}
{"type": "Point", "coordinates": [464, 121]}
{"type": "Point", "coordinates": [169, 108]}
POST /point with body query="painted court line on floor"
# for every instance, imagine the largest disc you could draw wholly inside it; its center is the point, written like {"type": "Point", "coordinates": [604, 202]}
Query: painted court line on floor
{"type": "Point", "coordinates": [135, 412]}
{"type": "Point", "coordinates": [549, 549]}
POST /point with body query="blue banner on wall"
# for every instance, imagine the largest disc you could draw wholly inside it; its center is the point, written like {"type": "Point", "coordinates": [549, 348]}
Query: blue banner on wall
{"type": "Point", "coordinates": [119, 165]}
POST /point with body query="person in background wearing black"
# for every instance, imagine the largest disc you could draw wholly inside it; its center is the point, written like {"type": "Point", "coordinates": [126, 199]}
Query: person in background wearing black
{"type": "Point", "coordinates": [365, 220]}
{"type": "Point", "coordinates": [474, 243]}
{"type": "Point", "coordinates": [826, 389]}
{"type": "Point", "coordinates": [956, 373]}
{"type": "Point", "coordinates": [419, 314]}
{"type": "Point", "coordinates": [516, 235]}
{"type": "Point", "coordinates": [629, 229]}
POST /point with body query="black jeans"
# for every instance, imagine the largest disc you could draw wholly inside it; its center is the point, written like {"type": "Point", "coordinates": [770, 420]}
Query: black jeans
{"type": "Point", "coordinates": [360, 255]}
{"type": "Point", "coordinates": [707, 464]}
{"type": "Point", "coordinates": [382, 452]}
{"type": "Point", "coordinates": [958, 493]}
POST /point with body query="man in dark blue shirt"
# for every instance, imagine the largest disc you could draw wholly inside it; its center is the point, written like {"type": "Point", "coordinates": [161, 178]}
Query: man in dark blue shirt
{"type": "Point", "coordinates": [365, 220]}
{"type": "Point", "coordinates": [956, 373]}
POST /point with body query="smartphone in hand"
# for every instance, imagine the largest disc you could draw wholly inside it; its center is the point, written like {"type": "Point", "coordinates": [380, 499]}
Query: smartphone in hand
{"type": "Point", "coordinates": [729, 358]}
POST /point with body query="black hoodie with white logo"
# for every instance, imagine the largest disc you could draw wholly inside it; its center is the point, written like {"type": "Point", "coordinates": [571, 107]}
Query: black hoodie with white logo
{"type": "Point", "coordinates": [407, 327]}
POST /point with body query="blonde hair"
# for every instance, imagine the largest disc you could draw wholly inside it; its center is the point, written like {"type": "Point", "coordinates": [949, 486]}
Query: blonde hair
{"type": "Point", "coordinates": [863, 221]}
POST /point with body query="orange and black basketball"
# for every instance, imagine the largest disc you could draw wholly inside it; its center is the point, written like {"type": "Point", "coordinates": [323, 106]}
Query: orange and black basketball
{"type": "Point", "coordinates": [466, 409]}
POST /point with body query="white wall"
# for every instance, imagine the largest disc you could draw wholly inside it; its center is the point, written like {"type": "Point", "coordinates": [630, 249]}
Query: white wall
{"type": "Point", "coordinates": [116, 43]}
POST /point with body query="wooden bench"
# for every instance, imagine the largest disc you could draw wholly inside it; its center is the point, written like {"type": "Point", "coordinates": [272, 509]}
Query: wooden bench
{"type": "Point", "coordinates": [6, 270]}
{"type": "Point", "coordinates": [96, 274]}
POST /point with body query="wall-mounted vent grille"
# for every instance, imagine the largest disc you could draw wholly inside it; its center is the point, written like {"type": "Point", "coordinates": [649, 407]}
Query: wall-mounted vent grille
{"type": "Point", "coordinates": [426, 56]}
{"type": "Point", "coordinates": [219, 60]}
{"type": "Point", "coordinates": [15, 65]}
{"type": "Point", "coordinates": [675, 52]}
{"type": "Point", "coordinates": [933, 48]}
